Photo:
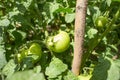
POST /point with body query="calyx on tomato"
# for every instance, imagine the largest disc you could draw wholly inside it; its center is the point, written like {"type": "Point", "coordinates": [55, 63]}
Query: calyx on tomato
{"type": "Point", "coordinates": [101, 21]}
{"type": "Point", "coordinates": [59, 43]}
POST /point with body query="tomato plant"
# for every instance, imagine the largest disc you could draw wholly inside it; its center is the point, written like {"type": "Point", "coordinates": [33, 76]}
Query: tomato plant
{"type": "Point", "coordinates": [29, 33]}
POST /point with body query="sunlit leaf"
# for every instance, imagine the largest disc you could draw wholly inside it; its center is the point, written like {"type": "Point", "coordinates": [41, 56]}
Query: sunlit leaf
{"type": "Point", "coordinates": [91, 33]}
{"type": "Point", "coordinates": [26, 75]}
{"type": "Point", "coordinates": [55, 68]}
{"type": "Point", "coordinates": [9, 68]}
{"type": "Point", "coordinates": [70, 17]}
{"type": "Point", "coordinates": [107, 69]}
{"type": "Point", "coordinates": [4, 22]}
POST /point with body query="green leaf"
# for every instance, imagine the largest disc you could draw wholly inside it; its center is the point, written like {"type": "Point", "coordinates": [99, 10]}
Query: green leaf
{"type": "Point", "coordinates": [26, 75]}
{"type": "Point", "coordinates": [97, 13]}
{"type": "Point", "coordinates": [9, 68]}
{"type": "Point", "coordinates": [27, 3]}
{"type": "Point", "coordinates": [18, 35]}
{"type": "Point", "coordinates": [100, 71]}
{"type": "Point", "coordinates": [2, 50]}
{"type": "Point", "coordinates": [107, 69]}
{"type": "Point", "coordinates": [108, 2]}
{"type": "Point", "coordinates": [70, 17]}
{"type": "Point", "coordinates": [4, 22]}
{"type": "Point", "coordinates": [91, 33]}
{"type": "Point", "coordinates": [70, 76]}
{"type": "Point", "coordinates": [2, 57]}
{"type": "Point", "coordinates": [114, 71]}
{"type": "Point", "coordinates": [55, 68]}
{"type": "Point", "coordinates": [50, 8]}
{"type": "Point", "coordinates": [13, 13]}
{"type": "Point", "coordinates": [57, 78]}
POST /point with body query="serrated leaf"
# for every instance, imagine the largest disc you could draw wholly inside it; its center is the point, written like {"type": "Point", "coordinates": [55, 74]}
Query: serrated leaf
{"type": "Point", "coordinates": [69, 17]}
{"type": "Point", "coordinates": [91, 32]}
{"type": "Point", "coordinates": [107, 69]}
{"type": "Point", "coordinates": [26, 75]}
{"type": "Point", "coordinates": [55, 68]}
{"type": "Point", "coordinates": [9, 68]}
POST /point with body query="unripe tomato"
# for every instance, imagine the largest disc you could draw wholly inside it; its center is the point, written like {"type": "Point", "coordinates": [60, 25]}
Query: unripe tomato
{"type": "Point", "coordinates": [22, 55]}
{"type": "Point", "coordinates": [59, 43]}
{"type": "Point", "coordinates": [101, 21]}
{"type": "Point", "coordinates": [35, 51]}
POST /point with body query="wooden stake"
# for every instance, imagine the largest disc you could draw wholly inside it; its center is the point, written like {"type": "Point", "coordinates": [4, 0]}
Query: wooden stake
{"type": "Point", "coordinates": [81, 8]}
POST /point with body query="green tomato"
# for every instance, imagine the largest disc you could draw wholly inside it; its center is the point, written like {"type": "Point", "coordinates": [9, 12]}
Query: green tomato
{"type": "Point", "coordinates": [101, 21]}
{"type": "Point", "coordinates": [35, 51]}
{"type": "Point", "coordinates": [22, 55]}
{"type": "Point", "coordinates": [59, 43]}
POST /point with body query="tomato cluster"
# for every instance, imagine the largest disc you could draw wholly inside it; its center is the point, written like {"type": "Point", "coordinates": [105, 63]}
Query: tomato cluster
{"type": "Point", "coordinates": [58, 43]}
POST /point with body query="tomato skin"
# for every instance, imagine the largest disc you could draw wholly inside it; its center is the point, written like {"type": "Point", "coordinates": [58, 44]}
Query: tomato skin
{"type": "Point", "coordinates": [21, 56]}
{"type": "Point", "coordinates": [59, 43]}
{"type": "Point", "coordinates": [35, 50]}
{"type": "Point", "coordinates": [100, 21]}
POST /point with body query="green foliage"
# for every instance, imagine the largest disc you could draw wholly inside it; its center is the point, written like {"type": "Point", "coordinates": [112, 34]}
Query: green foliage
{"type": "Point", "coordinates": [55, 68]}
{"type": "Point", "coordinates": [107, 69]}
{"type": "Point", "coordinates": [26, 75]}
{"type": "Point", "coordinates": [2, 50]}
{"type": "Point", "coordinates": [9, 68]}
{"type": "Point", "coordinates": [23, 22]}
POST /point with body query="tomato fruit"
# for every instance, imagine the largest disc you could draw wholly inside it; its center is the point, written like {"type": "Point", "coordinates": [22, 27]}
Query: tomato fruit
{"type": "Point", "coordinates": [101, 21]}
{"type": "Point", "coordinates": [35, 51]}
{"type": "Point", "coordinates": [22, 55]}
{"type": "Point", "coordinates": [59, 43]}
